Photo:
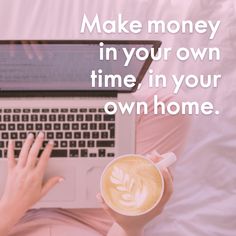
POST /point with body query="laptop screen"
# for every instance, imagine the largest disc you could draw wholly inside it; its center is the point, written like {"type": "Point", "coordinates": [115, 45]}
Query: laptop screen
{"type": "Point", "coordinates": [65, 65]}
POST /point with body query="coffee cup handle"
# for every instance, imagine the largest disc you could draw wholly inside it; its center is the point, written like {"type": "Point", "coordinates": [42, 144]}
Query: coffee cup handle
{"type": "Point", "coordinates": [168, 159]}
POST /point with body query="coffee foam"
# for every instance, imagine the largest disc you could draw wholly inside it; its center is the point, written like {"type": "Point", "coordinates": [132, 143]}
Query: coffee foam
{"type": "Point", "coordinates": [131, 185]}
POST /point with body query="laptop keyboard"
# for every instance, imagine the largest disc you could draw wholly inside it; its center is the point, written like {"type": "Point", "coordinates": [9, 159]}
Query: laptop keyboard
{"type": "Point", "coordinates": [77, 132]}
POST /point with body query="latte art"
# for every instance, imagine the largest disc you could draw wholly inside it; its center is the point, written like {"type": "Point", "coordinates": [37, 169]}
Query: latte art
{"type": "Point", "coordinates": [131, 185]}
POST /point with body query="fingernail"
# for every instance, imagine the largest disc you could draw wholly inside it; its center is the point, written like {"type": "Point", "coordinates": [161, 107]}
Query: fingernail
{"type": "Point", "coordinates": [11, 142]}
{"type": "Point", "coordinates": [61, 180]}
{"type": "Point", "coordinates": [41, 135]}
{"type": "Point", "coordinates": [51, 142]}
{"type": "Point", "coordinates": [99, 197]}
{"type": "Point", "coordinates": [30, 135]}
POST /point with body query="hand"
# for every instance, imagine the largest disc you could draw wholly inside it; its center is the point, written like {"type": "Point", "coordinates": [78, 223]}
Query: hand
{"type": "Point", "coordinates": [25, 186]}
{"type": "Point", "coordinates": [137, 223]}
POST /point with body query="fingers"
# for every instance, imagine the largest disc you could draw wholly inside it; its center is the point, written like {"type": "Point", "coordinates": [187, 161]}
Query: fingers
{"type": "Point", "coordinates": [43, 161]}
{"type": "Point", "coordinates": [154, 156]}
{"type": "Point", "coordinates": [105, 207]}
{"type": "Point", "coordinates": [10, 154]}
{"type": "Point", "coordinates": [168, 186]}
{"type": "Point", "coordinates": [50, 184]}
{"type": "Point", "coordinates": [25, 150]}
{"type": "Point", "coordinates": [34, 151]}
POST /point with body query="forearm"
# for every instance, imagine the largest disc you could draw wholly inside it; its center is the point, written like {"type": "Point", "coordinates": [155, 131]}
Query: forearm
{"type": "Point", "coordinates": [117, 230]}
{"type": "Point", "coordinates": [9, 218]}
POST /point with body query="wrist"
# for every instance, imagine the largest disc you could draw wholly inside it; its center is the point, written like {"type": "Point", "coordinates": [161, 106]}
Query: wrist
{"type": "Point", "coordinates": [11, 215]}
{"type": "Point", "coordinates": [119, 230]}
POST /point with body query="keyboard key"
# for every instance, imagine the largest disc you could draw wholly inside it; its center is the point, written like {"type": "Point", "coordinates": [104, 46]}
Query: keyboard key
{"type": "Point", "coordinates": [25, 118]}
{"type": "Point", "coordinates": [74, 153]}
{"type": "Point", "coordinates": [59, 135]}
{"type": "Point", "coordinates": [81, 143]}
{"type": "Point", "coordinates": [109, 117]}
{"type": "Point", "coordinates": [84, 126]}
{"type": "Point", "coordinates": [39, 127]}
{"type": "Point", "coordinates": [104, 135]}
{"type": "Point", "coordinates": [59, 153]}
{"type": "Point", "coordinates": [73, 110]}
{"type": "Point", "coordinates": [11, 127]}
{"type": "Point", "coordinates": [55, 144]}
{"type": "Point", "coordinates": [88, 117]}
{"type": "Point", "coordinates": [101, 110]}
{"type": "Point", "coordinates": [82, 110]}
{"type": "Point", "coordinates": [95, 135]}
{"type": "Point", "coordinates": [34, 118]}
{"type": "Point", "coordinates": [98, 117]}
{"type": "Point", "coordinates": [43, 118]}
{"type": "Point", "coordinates": [68, 135]}
{"type": "Point", "coordinates": [50, 135]}
{"type": "Point", "coordinates": [84, 152]}
{"type": "Point", "coordinates": [20, 127]}
{"type": "Point", "coordinates": [5, 136]}
{"type": "Point", "coordinates": [102, 126]}
{"type": "Point", "coordinates": [93, 154]}
{"type": "Point", "coordinates": [45, 110]}
{"type": "Point", "coordinates": [45, 143]}
{"type": "Point", "coordinates": [52, 117]}
{"type": "Point", "coordinates": [110, 154]}
{"type": "Point", "coordinates": [66, 126]}
{"type": "Point", "coordinates": [36, 110]}
{"type": "Point", "coordinates": [17, 152]}
{"type": "Point", "coordinates": [1, 144]}
{"type": "Point", "coordinates": [77, 135]}
{"type": "Point", "coordinates": [90, 143]}
{"type": "Point", "coordinates": [101, 152]}
{"type": "Point", "coordinates": [15, 118]}
{"type": "Point", "coordinates": [57, 126]}
{"type": "Point", "coordinates": [64, 110]}
{"type": "Point", "coordinates": [104, 143]}
{"type": "Point", "coordinates": [63, 144]}
{"type": "Point", "coordinates": [29, 126]}
{"type": "Point", "coordinates": [75, 126]}
{"type": "Point", "coordinates": [14, 135]}
{"type": "Point", "coordinates": [2, 127]}
{"type": "Point", "coordinates": [72, 144]}
{"type": "Point", "coordinates": [17, 110]}
{"type": "Point", "coordinates": [93, 126]}
{"type": "Point", "coordinates": [55, 110]}
{"type": "Point", "coordinates": [86, 135]}
{"type": "Point", "coordinates": [6, 118]}
{"type": "Point", "coordinates": [79, 117]}
{"type": "Point", "coordinates": [23, 135]}
{"type": "Point", "coordinates": [7, 110]}
{"type": "Point", "coordinates": [48, 126]}
{"type": "Point", "coordinates": [61, 118]}
{"type": "Point", "coordinates": [70, 118]}
{"type": "Point", "coordinates": [18, 144]}
{"type": "Point", "coordinates": [26, 110]}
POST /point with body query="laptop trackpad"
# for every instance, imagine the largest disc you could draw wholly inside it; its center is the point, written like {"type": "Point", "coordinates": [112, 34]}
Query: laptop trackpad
{"type": "Point", "coordinates": [93, 176]}
{"type": "Point", "coordinates": [63, 191]}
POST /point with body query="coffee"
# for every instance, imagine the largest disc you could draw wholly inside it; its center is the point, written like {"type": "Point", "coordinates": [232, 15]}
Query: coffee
{"type": "Point", "coordinates": [131, 185]}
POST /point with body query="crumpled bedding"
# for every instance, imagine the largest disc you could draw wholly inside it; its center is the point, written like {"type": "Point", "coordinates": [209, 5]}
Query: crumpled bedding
{"type": "Point", "coordinates": [205, 178]}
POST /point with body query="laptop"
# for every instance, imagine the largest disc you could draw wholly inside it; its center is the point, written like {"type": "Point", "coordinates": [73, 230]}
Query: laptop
{"type": "Point", "coordinates": [46, 86]}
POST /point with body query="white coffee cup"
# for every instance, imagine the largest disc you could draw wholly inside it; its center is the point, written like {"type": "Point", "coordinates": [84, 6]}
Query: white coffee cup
{"type": "Point", "coordinates": [133, 184]}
